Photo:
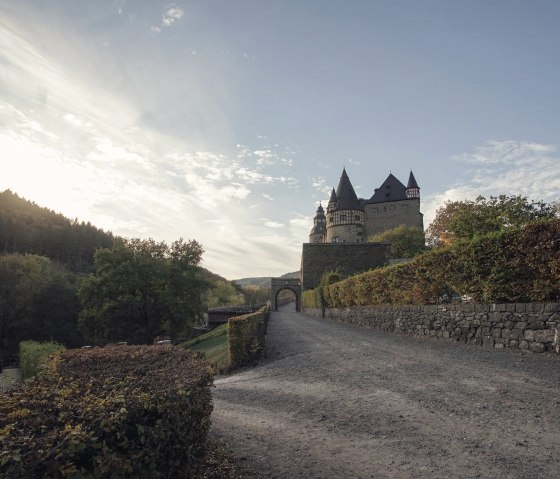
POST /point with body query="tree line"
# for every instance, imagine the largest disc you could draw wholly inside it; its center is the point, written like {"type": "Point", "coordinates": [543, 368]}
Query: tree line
{"type": "Point", "coordinates": [68, 281]}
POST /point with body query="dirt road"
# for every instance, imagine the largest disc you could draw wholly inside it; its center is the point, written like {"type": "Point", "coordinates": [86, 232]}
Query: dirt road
{"type": "Point", "coordinates": [337, 401]}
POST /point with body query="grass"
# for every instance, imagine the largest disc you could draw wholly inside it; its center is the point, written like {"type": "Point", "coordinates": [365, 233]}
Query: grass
{"type": "Point", "coordinates": [213, 344]}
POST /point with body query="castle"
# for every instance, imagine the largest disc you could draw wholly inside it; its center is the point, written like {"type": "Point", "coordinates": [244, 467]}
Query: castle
{"type": "Point", "coordinates": [350, 219]}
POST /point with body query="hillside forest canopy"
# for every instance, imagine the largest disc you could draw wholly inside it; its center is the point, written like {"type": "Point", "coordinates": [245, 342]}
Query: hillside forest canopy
{"type": "Point", "coordinates": [71, 282]}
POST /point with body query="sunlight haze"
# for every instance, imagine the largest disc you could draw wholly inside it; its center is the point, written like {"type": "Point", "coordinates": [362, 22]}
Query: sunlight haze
{"type": "Point", "coordinates": [227, 122]}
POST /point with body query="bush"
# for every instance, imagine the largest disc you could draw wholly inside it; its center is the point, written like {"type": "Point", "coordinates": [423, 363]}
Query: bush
{"type": "Point", "coordinates": [246, 337]}
{"type": "Point", "coordinates": [129, 411]}
{"type": "Point", "coordinates": [514, 265]}
{"type": "Point", "coordinates": [34, 355]}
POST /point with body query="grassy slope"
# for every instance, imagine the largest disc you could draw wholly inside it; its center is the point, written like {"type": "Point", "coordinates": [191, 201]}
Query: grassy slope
{"type": "Point", "coordinates": [213, 344]}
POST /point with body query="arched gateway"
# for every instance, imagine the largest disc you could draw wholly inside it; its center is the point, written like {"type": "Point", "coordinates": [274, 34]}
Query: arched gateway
{"type": "Point", "coordinates": [280, 284]}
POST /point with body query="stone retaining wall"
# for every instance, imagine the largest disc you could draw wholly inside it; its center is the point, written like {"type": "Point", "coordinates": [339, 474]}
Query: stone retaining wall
{"type": "Point", "coordinates": [531, 326]}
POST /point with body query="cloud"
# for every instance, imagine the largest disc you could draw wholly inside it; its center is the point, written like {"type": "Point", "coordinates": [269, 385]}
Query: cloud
{"type": "Point", "coordinates": [273, 224]}
{"type": "Point", "coordinates": [497, 167]}
{"type": "Point", "coordinates": [172, 14]}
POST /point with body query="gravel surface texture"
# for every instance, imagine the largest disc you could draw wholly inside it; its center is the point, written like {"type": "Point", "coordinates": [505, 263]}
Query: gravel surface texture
{"type": "Point", "coordinates": [332, 400]}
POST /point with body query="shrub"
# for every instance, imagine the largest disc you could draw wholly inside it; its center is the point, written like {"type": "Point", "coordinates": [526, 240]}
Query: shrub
{"type": "Point", "coordinates": [129, 411]}
{"type": "Point", "coordinates": [514, 265]}
{"type": "Point", "coordinates": [246, 337]}
{"type": "Point", "coordinates": [34, 355]}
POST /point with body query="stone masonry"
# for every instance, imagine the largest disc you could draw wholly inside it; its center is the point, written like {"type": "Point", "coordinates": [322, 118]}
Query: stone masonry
{"type": "Point", "coordinates": [529, 326]}
{"type": "Point", "coordinates": [346, 258]}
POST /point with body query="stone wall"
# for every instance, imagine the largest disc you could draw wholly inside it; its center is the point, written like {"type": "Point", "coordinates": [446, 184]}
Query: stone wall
{"type": "Point", "coordinates": [530, 326]}
{"type": "Point", "coordinates": [347, 258]}
{"type": "Point", "coordinates": [380, 217]}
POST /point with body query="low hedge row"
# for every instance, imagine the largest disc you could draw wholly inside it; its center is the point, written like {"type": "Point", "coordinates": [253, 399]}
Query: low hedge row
{"type": "Point", "coordinates": [246, 337]}
{"type": "Point", "coordinates": [520, 265]}
{"type": "Point", "coordinates": [33, 356]}
{"type": "Point", "coordinates": [128, 411]}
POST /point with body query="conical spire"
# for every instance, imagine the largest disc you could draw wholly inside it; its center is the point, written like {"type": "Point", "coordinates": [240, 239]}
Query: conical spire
{"type": "Point", "coordinates": [412, 182]}
{"type": "Point", "coordinates": [347, 199]}
{"type": "Point", "coordinates": [412, 188]}
{"type": "Point", "coordinates": [333, 198]}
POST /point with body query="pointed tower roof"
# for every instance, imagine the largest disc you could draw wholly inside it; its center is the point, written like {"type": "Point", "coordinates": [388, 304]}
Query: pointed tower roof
{"type": "Point", "coordinates": [347, 199]}
{"type": "Point", "coordinates": [333, 197]}
{"type": "Point", "coordinates": [391, 190]}
{"type": "Point", "coordinates": [412, 182]}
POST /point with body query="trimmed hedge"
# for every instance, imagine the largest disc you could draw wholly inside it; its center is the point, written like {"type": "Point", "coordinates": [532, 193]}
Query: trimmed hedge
{"type": "Point", "coordinates": [34, 355]}
{"type": "Point", "coordinates": [128, 411]}
{"type": "Point", "coordinates": [520, 265]}
{"type": "Point", "coordinates": [245, 336]}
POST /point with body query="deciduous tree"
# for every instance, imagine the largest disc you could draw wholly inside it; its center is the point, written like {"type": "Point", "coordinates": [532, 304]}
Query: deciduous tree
{"type": "Point", "coordinates": [142, 288]}
{"type": "Point", "coordinates": [406, 241]}
{"type": "Point", "coordinates": [467, 219]}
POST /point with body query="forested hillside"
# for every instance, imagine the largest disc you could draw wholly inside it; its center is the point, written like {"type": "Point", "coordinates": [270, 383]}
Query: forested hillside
{"type": "Point", "coordinates": [51, 286]}
{"type": "Point", "coordinates": [25, 227]}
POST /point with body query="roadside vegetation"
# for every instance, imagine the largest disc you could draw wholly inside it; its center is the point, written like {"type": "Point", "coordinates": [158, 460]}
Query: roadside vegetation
{"type": "Point", "coordinates": [214, 345]}
{"type": "Point", "coordinates": [504, 249]}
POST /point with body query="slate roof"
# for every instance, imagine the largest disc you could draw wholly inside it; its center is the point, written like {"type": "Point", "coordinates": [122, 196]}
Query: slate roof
{"type": "Point", "coordinates": [333, 197]}
{"type": "Point", "coordinates": [318, 229]}
{"type": "Point", "coordinates": [391, 190]}
{"type": "Point", "coordinates": [412, 182]}
{"type": "Point", "coordinates": [347, 199]}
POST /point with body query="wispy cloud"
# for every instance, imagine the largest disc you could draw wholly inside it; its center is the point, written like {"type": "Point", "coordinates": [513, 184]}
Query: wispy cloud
{"type": "Point", "coordinates": [502, 167]}
{"type": "Point", "coordinates": [75, 148]}
{"type": "Point", "coordinates": [171, 14]}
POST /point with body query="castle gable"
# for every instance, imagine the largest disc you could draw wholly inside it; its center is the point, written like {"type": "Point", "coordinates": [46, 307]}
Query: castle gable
{"type": "Point", "coordinates": [391, 190]}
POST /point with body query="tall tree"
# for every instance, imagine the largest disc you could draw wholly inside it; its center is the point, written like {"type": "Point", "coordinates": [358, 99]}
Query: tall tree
{"type": "Point", "coordinates": [37, 301]}
{"type": "Point", "coordinates": [406, 241]}
{"type": "Point", "coordinates": [142, 288]}
{"type": "Point", "coordinates": [467, 219]}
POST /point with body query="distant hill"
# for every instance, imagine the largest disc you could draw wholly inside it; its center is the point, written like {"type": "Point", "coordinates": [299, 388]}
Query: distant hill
{"type": "Point", "coordinates": [25, 227]}
{"type": "Point", "coordinates": [262, 281]}
{"type": "Point", "coordinates": [28, 228]}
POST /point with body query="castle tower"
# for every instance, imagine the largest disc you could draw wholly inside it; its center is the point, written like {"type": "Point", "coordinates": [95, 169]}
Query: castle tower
{"type": "Point", "coordinates": [412, 188]}
{"type": "Point", "coordinates": [345, 216]}
{"type": "Point", "coordinates": [319, 230]}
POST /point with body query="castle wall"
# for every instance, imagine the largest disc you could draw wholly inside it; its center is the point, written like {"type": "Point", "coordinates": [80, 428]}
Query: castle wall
{"type": "Point", "coordinates": [345, 234]}
{"type": "Point", "coordinates": [380, 217]}
{"type": "Point", "coordinates": [347, 258]}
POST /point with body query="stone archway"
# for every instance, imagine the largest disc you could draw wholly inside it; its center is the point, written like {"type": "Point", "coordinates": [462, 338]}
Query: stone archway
{"type": "Point", "coordinates": [280, 284]}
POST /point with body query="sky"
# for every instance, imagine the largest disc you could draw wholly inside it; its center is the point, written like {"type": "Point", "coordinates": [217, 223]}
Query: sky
{"type": "Point", "coordinates": [228, 121]}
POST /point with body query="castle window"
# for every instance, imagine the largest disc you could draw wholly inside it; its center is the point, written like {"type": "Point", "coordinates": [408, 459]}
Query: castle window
{"type": "Point", "coordinates": [335, 239]}
{"type": "Point", "coordinates": [374, 210]}
{"type": "Point", "coordinates": [357, 217]}
{"type": "Point", "coordinates": [342, 217]}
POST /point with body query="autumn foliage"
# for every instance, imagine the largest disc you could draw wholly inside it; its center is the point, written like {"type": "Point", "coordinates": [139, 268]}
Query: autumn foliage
{"type": "Point", "coordinates": [512, 265]}
{"type": "Point", "coordinates": [128, 411]}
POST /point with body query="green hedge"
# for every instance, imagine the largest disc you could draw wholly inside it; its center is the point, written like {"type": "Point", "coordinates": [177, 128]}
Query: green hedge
{"type": "Point", "coordinates": [128, 411]}
{"type": "Point", "coordinates": [510, 266]}
{"type": "Point", "coordinates": [310, 299]}
{"type": "Point", "coordinates": [33, 356]}
{"type": "Point", "coordinates": [245, 336]}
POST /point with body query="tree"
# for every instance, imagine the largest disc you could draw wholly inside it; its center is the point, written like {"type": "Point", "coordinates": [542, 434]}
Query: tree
{"type": "Point", "coordinates": [141, 289]}
{"type": "Point", "coordinates": [37, 302]}
{"type": "Point", "coordinates": [406, 241]}
{"type": "Point", "coordinates": [223, 293]}
{"type": "Point", "coordinates": [467, 219]}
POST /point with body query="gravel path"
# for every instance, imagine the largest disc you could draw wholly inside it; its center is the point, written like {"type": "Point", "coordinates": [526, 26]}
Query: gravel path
{"type": "Point", "coordinates": [338, 401]}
